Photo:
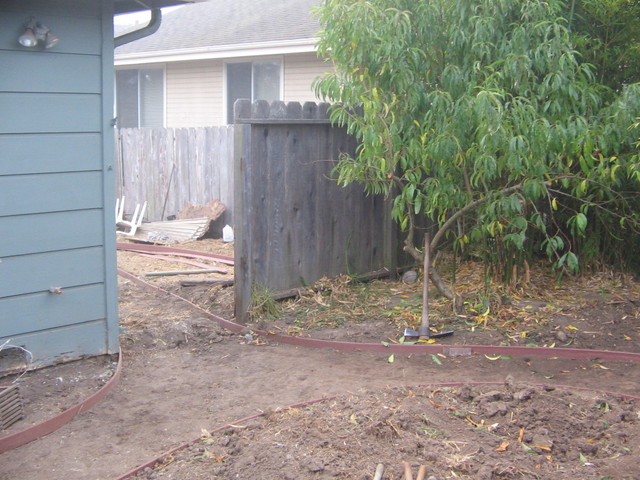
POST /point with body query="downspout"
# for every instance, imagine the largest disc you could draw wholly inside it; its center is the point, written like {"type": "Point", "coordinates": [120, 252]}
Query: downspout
{"type": "Point", "coordinates": [152, 27]}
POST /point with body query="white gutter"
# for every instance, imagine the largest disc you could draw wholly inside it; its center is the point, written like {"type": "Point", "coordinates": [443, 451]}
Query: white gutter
{"type": "Point", "coordinates": [151, 28]}
{"type": "Point", "coordinates": [280, 47]}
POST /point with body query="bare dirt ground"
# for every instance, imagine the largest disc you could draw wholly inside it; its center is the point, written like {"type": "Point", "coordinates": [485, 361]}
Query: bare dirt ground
{"type": "Point", "coordinates": [183, 375]}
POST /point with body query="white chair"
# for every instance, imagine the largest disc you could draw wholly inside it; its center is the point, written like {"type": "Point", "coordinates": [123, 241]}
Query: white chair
{"type": "Point", "coordinates": [128, 227]}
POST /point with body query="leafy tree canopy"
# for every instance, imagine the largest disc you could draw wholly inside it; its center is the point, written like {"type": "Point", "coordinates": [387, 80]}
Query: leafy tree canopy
{"type": "Point", "coordinates": [607, 35]}
{"type": "Point", "coordinates": [481, 114]}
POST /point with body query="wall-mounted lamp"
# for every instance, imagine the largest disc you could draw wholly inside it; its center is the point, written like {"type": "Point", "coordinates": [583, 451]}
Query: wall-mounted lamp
{"type": "Point", "coordinates": [36, 33]}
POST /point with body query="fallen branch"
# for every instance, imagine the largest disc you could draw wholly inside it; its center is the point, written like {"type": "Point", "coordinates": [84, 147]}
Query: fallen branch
{"type": "Point", "coordinates": [184, 272]}
{"type": "Point", "coordinates": [195, 283]}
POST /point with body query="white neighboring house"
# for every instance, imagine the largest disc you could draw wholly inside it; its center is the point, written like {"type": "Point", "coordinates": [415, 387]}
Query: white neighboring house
{"type": "Point", "coordinates": [204, 57]}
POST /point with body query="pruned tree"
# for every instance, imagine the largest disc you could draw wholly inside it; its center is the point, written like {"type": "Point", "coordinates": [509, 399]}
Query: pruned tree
{"type": "Point", "coordinates": [480, 115]}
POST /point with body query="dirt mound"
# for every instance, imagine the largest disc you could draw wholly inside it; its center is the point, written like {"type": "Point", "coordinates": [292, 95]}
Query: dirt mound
{"type": "Point", "coordinates": [513, 431]}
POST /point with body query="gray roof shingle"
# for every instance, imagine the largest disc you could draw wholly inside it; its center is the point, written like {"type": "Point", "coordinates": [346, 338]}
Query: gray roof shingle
{"type": "Point", "coordinates": [229, 22]}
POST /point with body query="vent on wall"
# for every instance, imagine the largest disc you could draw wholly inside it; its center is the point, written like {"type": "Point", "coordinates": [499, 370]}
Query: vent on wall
{"type": "Point", "coordinates": [10, 406]}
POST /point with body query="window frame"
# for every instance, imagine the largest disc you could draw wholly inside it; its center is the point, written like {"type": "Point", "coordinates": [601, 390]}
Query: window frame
{"type": "Point", "coordinates": [140, 69]}
{"type": "Point", "coordinates": [252, 60]}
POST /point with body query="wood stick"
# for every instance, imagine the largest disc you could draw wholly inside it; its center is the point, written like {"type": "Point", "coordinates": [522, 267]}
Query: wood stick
{"type": "Point", "coordinates": [184, 272]}
{"type": "Point", "coordinates": [422, 472]}
{"type": "Point", "coordinates": [407, 471]}
{"type": "Point", "coordinates": [424, 324]}
{"type": "Point", "coordinates": [206, 281]}
{"type": "Point", "coordinates": [379, 472]}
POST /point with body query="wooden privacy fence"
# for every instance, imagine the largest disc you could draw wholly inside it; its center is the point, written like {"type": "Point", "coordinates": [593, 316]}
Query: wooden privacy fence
{"type": "Point", "coordinates": [293, 223]}
{"type": "Point", "coordinates": [172, 167]}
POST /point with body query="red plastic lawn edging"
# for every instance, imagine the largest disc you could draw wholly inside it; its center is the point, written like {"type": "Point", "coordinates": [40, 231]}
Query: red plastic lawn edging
{"type": "Point", "coordinates": [449, 350]}
{"type": "Point", "coordinates": [48, 426]}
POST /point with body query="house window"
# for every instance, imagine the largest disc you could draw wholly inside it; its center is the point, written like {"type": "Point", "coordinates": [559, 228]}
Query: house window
{"type": "Point", "coordinates": [140, 97]}
{"type": "Point", "coordinates": [252, 80]}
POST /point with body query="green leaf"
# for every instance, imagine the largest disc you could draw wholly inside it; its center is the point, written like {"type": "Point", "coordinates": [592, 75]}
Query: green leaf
{"type": "Point", "coordinates": [572, 262]}
{"type": "Point", "coordinates": [436, 360]}
{"type": "Point", "coordinates": [581, 222]}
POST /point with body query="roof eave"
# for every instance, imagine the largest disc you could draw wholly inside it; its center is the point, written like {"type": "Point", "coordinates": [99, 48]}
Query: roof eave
{"type": "Point", "coordinates": [130, 6]}
{"type": "Point", "coordinates": [280, 47]}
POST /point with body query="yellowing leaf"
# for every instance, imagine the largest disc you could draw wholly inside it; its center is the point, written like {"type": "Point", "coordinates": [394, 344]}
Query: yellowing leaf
{"type": "Point", "coordinates": [571, 327]}
{"type": "Point", "coordinates": [554, 204]}
{"type": "Point", "coordinates": [426, 340]}
{"type": "Point", "coordinates": [627, 337]}
{"type": "Point", "coordinates": [497, 357]}
{"type": "Point", "coordinates": [542, 447]}
{"type": "Point", "coordinates": [391, 358]}
{"type": "Point", "coordinates": [600, 366]}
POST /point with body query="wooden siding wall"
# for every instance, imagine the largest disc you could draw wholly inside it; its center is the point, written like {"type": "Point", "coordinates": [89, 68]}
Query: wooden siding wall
{"type": "Point", "coordinates": [194, 94]}
{"type": "Point", "coordinates": [172, 167]}
{"type": "Point", "coordinates": [54, 182]}
{"type": "Point", "coordinates": [300, 70]}
{"type": "Point", "coordinates": [293, 224]}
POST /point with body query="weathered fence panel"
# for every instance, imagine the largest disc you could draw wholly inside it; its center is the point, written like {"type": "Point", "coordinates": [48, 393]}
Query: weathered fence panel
{"type": "Point", "coordinates": [172, 167]}
{"type": "Point", "coordinates": [293, 223]}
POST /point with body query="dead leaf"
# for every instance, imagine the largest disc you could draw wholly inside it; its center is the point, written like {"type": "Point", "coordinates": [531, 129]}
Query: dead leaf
{"type": "Point", "coordinates": [503, 447]}
{"type": "Point", "coordinates": [521, 435]}
{"type": "Point", "coordinates": [542, 447]}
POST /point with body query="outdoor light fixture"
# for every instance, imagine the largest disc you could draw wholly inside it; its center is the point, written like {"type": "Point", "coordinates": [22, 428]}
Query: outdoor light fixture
{"type": "Point", "coordinates": [36, 33]}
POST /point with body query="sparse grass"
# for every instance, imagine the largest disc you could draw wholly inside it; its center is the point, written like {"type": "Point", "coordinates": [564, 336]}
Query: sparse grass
{"type": "Point", "coordinates": [262, 303]}
{"type": "Point", "coordinates": [519, 314]}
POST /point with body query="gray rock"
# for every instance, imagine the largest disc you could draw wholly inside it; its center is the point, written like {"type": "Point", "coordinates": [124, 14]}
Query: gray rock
{"type": "Point", "coordinates": [410, 276]}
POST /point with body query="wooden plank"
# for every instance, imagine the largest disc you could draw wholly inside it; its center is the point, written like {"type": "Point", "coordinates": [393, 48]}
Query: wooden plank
{"type": "Point", "coordinates": [56, 192]}
{"type": "Point", "coordinates": [243, 270]}
{"type": "Point", "coordinates": [46, 153]}
{"type": "Point", "coordinates": [43, 113]}
{"type": "Point", "coordinates": [74, 73]}
{"type": "Point", "coordinates": [275, 223]}
{"type": "Point", "coordinates": [41, 311]}
{"type": "Point", "coordinates": [301, 198]}
{"type": "Point", "coordinates": [258, 215]}
{"type": "Point", "coordinates": [50, 231]}
{"type": "Point", "coordinates": [24, 274]}
{"type": "Point", "coordinates": [324, 220]}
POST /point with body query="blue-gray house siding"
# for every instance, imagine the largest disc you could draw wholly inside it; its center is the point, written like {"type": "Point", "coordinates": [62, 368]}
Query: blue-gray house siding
{"type": "Point", "coordinates": [57, 182]}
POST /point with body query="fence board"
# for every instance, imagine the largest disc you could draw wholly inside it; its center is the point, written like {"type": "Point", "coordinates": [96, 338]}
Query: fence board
{"type": "Point", "coordinates": [170, 168]}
